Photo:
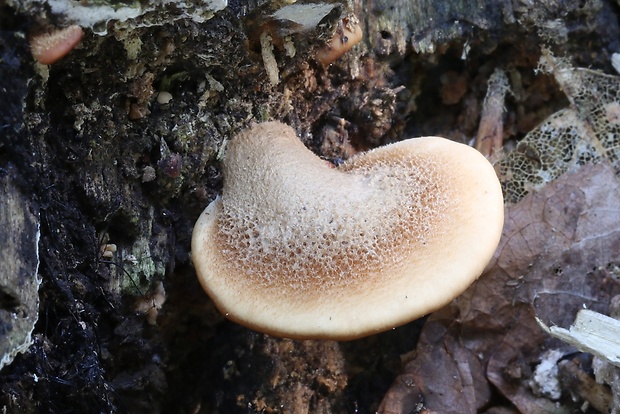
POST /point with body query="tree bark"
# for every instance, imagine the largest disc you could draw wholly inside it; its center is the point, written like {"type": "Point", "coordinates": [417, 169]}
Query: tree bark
{"type": "Point", "coordinates": [118, 174]}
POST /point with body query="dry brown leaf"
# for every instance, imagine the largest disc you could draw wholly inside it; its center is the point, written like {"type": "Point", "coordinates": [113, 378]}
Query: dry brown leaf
{"type": "Point", "coordinates": [559, 252]}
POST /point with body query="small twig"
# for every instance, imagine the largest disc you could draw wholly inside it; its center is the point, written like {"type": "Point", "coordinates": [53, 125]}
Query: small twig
{"type": "Point", "coordinates": [490, 137]}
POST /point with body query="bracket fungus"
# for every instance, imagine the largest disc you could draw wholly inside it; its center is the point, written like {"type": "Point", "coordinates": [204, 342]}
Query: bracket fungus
{"type": "Point", "coordinates": [49, 48]}
{"type": "Point", "coordinates": [348, 34]}
{"type": "Point", "coordinates": [295, 248]}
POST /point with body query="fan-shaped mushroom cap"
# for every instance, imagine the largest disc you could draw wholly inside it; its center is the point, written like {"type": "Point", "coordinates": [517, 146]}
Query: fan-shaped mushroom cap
{"type": "Point", "coordinates": [48, 48]}
{"type": "Point", "coordinates": [298, 249]}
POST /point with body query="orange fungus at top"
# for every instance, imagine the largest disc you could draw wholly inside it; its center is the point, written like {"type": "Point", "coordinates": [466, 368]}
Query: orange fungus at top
{"type": "Point", "coordinates": [297, 249]}
{"type": "Point", "coordinates": [48, 48]}
{"type": "Point", "coordinates": [347, 35]}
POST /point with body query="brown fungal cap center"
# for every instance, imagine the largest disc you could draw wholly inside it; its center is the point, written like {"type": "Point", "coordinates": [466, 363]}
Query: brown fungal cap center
{"type": "Point", "coordinates": [356, 222]}
{"type": "Point", "coordinates": [296, 248]}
